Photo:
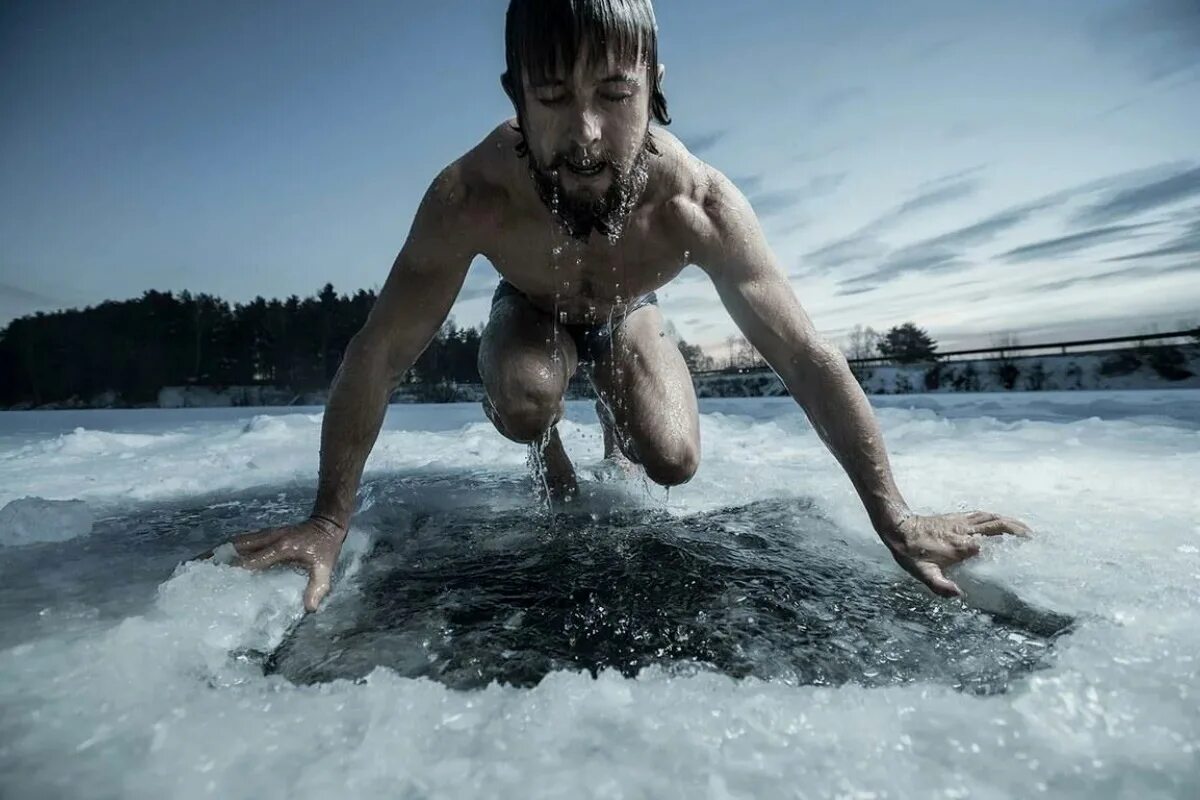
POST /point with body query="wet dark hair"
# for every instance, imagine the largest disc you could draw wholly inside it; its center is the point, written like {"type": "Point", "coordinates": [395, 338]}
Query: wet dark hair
{"type": "Point", "coordinates": [544, 37]}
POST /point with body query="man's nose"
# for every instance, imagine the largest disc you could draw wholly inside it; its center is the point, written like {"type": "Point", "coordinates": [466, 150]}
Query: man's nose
{"type": "Point", "coordinates": [585, 130]}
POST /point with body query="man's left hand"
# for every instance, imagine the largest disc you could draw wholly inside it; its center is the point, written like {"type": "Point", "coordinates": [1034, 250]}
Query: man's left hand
{"type": "Point", "coordinates": [926, 545]}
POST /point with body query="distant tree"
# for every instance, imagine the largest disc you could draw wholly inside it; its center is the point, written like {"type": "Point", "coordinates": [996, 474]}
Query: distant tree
{"type": "Point", "coordinates": [742, 354]}
{"type": "Point", "coordinates": [862, 343]}
{"type": "Point", "coordinates": [1005, 342]}
{"type": "Point", "coordinates": [1035, 381]}
{"type": "Point", "coordinates": [1005, 367]}
{"type": "Point", "coordinates": [933, 377]}
{"type": "Point", "coordinates": [695, 357]}
{"type": "Point", "coordinates": [908, 344]}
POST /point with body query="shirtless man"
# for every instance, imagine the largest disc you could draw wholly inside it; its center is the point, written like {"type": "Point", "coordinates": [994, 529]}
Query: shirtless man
{"type": "Point", "coordinates": [585, 208]}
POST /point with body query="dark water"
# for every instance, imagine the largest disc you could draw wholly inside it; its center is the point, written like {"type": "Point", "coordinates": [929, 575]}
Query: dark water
{"type": "Point", "coordinates": [465, 590]}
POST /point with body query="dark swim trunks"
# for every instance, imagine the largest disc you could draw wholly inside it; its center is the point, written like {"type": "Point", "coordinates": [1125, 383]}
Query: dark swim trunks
{"type": "Point", "coordinates": [592, 342]}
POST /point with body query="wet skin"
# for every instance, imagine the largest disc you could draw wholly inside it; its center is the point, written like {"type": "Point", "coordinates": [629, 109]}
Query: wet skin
{"type": "Point", "coordinates": [486, 203]}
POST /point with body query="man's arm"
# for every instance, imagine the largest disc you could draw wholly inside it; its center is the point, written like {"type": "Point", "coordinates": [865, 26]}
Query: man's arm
{"type": "Point", "coordinates": [732, 249]}
{"type": "Point", "coordinates": [416, 298]}
{"type": "Point", "coordinates": [418, 293]}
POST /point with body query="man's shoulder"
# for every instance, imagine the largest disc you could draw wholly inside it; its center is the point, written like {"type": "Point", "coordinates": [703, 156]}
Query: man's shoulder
{"type": "Point", "coordinates": [479, 181]}
{"type": "Point", "coordinates": [696, 195]}
{"type": "Point", "coordinates": [489, 164]}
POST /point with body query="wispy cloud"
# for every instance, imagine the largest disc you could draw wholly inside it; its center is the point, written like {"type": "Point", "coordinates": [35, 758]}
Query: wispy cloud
{"type": "Point", "coordinates": [989, 227]}
{"type": "Point", "coordinates": [901, 262]}
{"type": "Point", "coordinates": [1072, 243]}
{"type": "Point", "coordinates": [852, 249]}
{"type": "Point", "coordinates": [767, 204]}
{"type": "Point", "coordinates": [1066, 283]}
{"type": "Point", "coordinates": [1185, 244]}
{"type": "Point", "coordinates": [938, 194]}
{"type": "Point", "coordinates": [833, 101]}
{"type": "Point", "coordinates": [1161, 37]}
{"type": "Point", "coordinates": [864, 244]}
{"type": "Point", "coordinates": [701, 143]}
{"type": "Point", "coordinates": [749, 184]}
{"type": "Point", "coordinates": [1136, 200]}
{"type": "Point", "coordinates": [19, 294]}
{"type": "Point", "coordinates": [825, 184]}
{"type": "Point", "coordinates": [480, 282]}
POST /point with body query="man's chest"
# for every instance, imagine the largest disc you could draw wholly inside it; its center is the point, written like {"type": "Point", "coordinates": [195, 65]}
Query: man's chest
{"type": "Point", "coordinates": [598, 273]}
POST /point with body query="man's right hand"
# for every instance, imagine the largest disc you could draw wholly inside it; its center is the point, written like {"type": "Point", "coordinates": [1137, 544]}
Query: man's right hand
{"type": "Point", "coordinates": [313, 544]}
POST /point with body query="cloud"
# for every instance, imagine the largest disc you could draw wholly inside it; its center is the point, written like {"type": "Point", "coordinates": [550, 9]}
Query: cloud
{"type": "Point", "coordinates": [987, 228]}
{"type": "Point", "coordinates": [917, 258]}
{"type": "Point", "coordinates": [1145, 197]}
{"type": "Point", "coordinates": [852, 249]}
{"type": "Point", "coordinates": [773, 202]}
{"type": "Point", "coordinates": [1161, 37]}
{"type": "Point", "coordinates": [16, 293]}
{"type": "Point", "coordinates": [864, 244]}
{"type": "Point", "coordinates": [1187, 243]}
{"type": "Point", "coordinates": [825, 184]}
{"type": "Point", "coordinates": [835, 100]}
{"type": "Point", "coordinates": [749, 184]}
{"type": "Point", "coordinates": [1187, 266]}
{"type": "Point", "coordinates": [701, 143]}
{"type": "Point", "coordinates": [1073, 243]}
{"type": "Point", "coordinates": [768, 204]}
{"type": "Point", "coordinates": [480, 282]}
{"type": "Point", "coordinates": [860, 290]}
{"type": "Point", "coordinates": [1055, 286]}
{"type": "Point", "coordinates": [939, 194]}
{"type": "Point", "coordinates": [943, 252]}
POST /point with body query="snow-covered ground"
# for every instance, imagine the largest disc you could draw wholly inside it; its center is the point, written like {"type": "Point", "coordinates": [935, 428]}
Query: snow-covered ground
{"type": "Point", "coordinates": [123, 675]}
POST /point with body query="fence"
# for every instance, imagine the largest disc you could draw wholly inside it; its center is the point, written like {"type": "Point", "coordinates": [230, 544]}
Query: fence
{"type": "Point", "coordinates": [1001, 351]}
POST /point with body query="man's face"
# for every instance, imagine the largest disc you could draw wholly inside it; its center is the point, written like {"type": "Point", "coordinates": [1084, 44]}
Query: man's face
{"type": "Point", "coordinates": [586, 132]}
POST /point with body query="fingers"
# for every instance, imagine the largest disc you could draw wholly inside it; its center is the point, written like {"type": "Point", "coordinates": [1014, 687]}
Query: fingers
{"type": "Point", "coordinates": [932, 576]}
{"type": "Point", "coordinates": [318, 586]}
{"type": "Point", "coordinates": [270, 556]}
{"type": "Point", "coordinates": [319, 572]}
{"type": "Point", "coordinates": [250, 542]}
{"type": "Point", "coordinates": [1001, 525]}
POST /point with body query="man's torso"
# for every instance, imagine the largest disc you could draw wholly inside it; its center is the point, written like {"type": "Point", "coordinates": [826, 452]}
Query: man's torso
{"type": "Point", "coordinates": [583, 281]}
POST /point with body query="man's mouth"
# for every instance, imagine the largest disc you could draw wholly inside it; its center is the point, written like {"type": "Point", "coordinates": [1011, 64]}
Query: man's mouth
{"type": "Point", "coordinates": [584, 169]}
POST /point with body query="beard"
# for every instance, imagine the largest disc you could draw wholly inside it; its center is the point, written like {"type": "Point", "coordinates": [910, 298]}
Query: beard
{"type": "Point", "coordinates": [581, 214]}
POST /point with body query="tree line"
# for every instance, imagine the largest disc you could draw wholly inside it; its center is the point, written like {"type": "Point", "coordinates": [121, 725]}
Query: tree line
{"type": "Point", "coordinates": [130, 349]}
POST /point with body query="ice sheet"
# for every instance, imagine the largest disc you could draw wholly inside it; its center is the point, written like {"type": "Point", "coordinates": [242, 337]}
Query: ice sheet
{"type": "Point", "coordinates": [122, 677]}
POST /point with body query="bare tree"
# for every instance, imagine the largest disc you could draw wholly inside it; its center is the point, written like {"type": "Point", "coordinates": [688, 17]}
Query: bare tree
{"type": "Point", "coordinates": [862, 343]}
{"type": "Point", "coordinates": [1005, 341]}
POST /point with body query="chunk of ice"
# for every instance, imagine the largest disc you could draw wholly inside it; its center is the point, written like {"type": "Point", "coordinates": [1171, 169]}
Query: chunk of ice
{"type": "Point", "coordinates": [33, 519]}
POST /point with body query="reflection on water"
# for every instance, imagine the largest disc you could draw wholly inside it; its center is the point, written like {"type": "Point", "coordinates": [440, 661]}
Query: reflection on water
{"type": "Point", "coordinates": [468, 594]}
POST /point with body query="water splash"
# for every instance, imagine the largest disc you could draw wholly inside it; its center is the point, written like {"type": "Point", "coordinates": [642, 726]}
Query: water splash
{"type": "Point", "coordinates": [770, 590]}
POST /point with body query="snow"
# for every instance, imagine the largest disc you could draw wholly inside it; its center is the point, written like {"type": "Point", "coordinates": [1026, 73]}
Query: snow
{"type": "Point", "coordinates": [122, 674]}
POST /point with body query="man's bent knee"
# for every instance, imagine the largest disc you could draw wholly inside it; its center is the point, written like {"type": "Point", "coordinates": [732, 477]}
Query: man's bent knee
{"type": "Point", "coordinates": [525, 419]}
{"type": "Point", "coordinates": [672, 466]}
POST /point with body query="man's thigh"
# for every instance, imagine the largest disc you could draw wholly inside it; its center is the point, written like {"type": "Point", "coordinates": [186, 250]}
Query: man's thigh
{"type": "Point", "coordinates": [644, 381]}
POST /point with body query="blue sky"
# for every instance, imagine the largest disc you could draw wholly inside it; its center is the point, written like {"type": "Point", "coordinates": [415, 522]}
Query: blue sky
{"type": "Point", "coordinates": [979, 168]}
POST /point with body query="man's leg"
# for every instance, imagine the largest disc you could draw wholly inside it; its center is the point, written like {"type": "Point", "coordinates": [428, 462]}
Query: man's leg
{"type": "Point", "coordinates": [526, 361]}
{"type": "Point", "coordinates": [644, 383]}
